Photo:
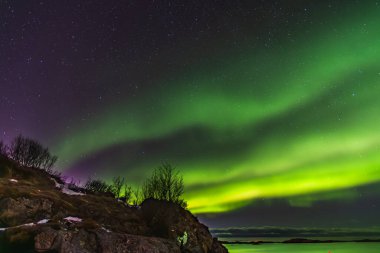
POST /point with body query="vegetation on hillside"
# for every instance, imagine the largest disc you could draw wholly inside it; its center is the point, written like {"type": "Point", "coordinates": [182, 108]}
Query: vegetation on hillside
{"type": "Point", "coordinates": [165, 183]}
{"type": "Point", "coordinates": [3, 149]}
{"type": "Point", "coordinates": [31, 153]}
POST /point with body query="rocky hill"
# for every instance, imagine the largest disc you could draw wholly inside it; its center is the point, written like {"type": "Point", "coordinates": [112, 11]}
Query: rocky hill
{"type": "Point", "coordinates": [39, 214]}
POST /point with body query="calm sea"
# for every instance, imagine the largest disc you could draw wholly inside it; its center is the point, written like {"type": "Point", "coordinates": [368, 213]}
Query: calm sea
{"type": "Point", "coordinates": [348, 247]}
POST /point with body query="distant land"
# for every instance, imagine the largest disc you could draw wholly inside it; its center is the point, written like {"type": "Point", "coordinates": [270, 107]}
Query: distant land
{"type": "Point", "coordinates": [300, 240]}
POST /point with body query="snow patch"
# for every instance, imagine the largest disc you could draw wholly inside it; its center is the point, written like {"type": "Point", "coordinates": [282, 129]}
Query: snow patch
{"type": "Point", "coordinates": [57, 185]}
{"type": "Point", "coordinates": [44, 221]}
{"type": "Point", "coordinates": [108, 231]}
{"type": "Point", "coordinates": [65, 188]}
{"type": "Point", "coordinates": [73, 219]}
{"type": "Point", "coordinates": [27, 225]}
{"type": "Point", "coordinates": [67, 191]}
{"type": "Point", "coordinates": [13, 180]}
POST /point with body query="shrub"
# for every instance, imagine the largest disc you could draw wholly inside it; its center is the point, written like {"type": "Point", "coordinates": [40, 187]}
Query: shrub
{"type": "Point", "coordinates": [30, 153]}
{"type": "Point", "coordinates": [128, 193]}
{"type": "Point", "coordinates": [74, 185]}
{"type": "Point", "coordinates": [165, 184]}
{"type": "Point", "coordinates": [98, 186]}
{"type": "Point", "coordinates": [117, 184]}
{"type": "Point", "coordinates": [182, 240]}
{"type": "Point", "coordinates": [3, 149]}
{"type": "Point", "coordinates": [137, 197]}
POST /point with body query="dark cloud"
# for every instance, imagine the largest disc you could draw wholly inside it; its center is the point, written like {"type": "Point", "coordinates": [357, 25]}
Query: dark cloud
{"type": "Point", "coordinates": [357, 212]}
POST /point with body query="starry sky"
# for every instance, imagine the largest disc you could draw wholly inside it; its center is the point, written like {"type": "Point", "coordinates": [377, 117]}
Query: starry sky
{"type": "Point", "coordinates": [270, 109]}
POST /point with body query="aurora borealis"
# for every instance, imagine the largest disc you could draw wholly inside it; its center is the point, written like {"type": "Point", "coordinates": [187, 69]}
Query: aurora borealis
{"type": "Point", "coordinates": [260, 104]}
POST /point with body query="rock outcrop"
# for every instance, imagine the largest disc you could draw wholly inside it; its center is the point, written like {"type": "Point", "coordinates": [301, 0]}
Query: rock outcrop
{"type": "Point", "coordinates": [170, 221]}
{"type": "Point", "coordinates": [36, 216]}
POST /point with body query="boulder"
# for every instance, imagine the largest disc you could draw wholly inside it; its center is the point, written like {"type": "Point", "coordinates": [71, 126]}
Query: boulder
{"type": "Point", "coordinates": [169, 220]}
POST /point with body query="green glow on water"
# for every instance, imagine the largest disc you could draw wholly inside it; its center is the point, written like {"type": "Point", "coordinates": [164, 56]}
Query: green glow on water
{"type": "Point", "coordinates": [307, 248]}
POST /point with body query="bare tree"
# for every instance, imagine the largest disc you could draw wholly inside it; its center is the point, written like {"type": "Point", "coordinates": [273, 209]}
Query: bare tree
{"type": "Point", "coordinates": [117, 184]}
{"type": "Point", "coordinates": [3, 149]}
{"type": "Point", "coordinates": [128, 192]}
{"type": "Point", "coordinates": [97, 186]}
{"type": "Point", "coordinates": [30, 153]}
{"type": "Point", "coordinates": [150, 187]}
{"type": "Point", "coordinates": [165, 184]}
{"type": "Point", "coordinates": [137, 197]}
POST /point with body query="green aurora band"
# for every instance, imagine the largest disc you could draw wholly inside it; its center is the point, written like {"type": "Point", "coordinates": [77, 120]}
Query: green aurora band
{"type": "Point", "coordinates": [315, 99]}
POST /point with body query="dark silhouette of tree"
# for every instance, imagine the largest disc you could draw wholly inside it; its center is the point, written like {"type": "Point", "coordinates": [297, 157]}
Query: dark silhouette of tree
{"type": "Point", "coordinates": [165, 183]}
{"type": "Point", "coordinates": [98, 186]}
{"type": "Point", "coordinates": [31, 153]}
{"type": "Point", "coordinates": [3, 149]}
{"type": "Point", "coordinates": [150, 187]}
{"type": "Point", "coordinates": [117, 184]}
{"type": "Point", "coordinates": [128, 193]}
{"type": "Point", "coordinates": [137, 197]}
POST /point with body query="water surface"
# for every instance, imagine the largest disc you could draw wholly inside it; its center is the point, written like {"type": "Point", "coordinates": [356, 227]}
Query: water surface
{"type": "Point", "coordinates": [349, 247]}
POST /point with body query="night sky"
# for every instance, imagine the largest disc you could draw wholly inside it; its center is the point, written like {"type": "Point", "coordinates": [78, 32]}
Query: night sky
{"type": "Point", "coordinates": [270, 109]}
